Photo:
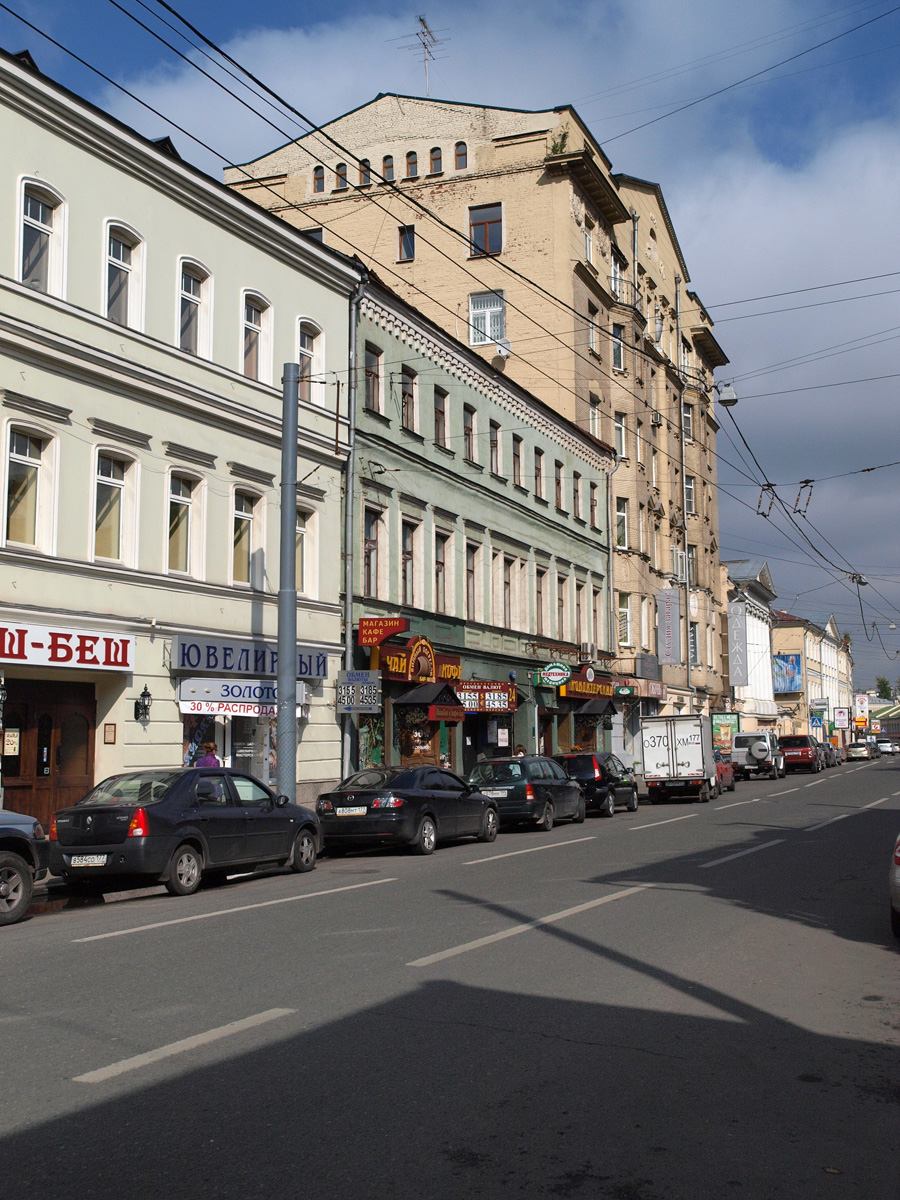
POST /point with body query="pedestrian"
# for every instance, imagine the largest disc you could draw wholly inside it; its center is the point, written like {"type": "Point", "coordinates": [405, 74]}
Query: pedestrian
{"type": "Point", "coordinates": [520, 751]}
{"type": "Point", "coordinates": [210, 758]}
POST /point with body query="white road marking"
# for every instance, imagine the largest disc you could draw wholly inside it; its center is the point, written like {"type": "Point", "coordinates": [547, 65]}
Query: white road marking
{"type": "Point", "coordinates": [740, 854]}
{"type": "Point", "coordinates": [814, 782]}
{"type": "Point", "coordinates": [191, 1043]}
{"type": "Point", "coordinates": [875, 803]}
{"type": "Point", "coordinates": [895, 793]}
{"type": "Point", "coordinates": [786, 793]}
{"type": "Point", "coordinates": [472, 862]}
{"type": "Point", "coordinates": [516, 929]}
{"type": "Point", "coordinates": [668, 821]}
{"type": "Point", "coordinates": [736, 804]}
{"type": "Point", "coordinates": [224, 912]}
{"type": "Point", "coordinates": [862, 808]}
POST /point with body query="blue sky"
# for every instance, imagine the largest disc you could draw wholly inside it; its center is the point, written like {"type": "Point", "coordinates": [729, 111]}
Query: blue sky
{"type": "Point", "coordinates": [786, 182]}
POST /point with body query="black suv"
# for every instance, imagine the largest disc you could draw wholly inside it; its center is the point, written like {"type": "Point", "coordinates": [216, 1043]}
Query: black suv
{"type": "Point", "coordinates": [604, 779]}
{"type": "Point", "coordinates": [24, 852]}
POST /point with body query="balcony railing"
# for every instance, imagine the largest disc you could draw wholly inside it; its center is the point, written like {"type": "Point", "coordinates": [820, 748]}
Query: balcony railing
{"type": "Point", "coordinates": [695, 378]}
{"type": "Point", "coordinates": [625, 292]}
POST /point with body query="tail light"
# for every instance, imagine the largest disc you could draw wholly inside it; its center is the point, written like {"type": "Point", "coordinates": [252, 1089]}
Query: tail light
{"type": "Point", "coordinates": [137, 826]}
{"type": "Point", "coordinates": [598, 774]}
{"type": "Point", "coordinates": [529, 793]}
{"type": "Point", "coordinates": [52, 833]}
{"type": "Point", "coordinates": [324, 806]}
{"type": "Point", "coordinates": [386, 802]}
{"type": "Point", "coordinates": [897, 855]}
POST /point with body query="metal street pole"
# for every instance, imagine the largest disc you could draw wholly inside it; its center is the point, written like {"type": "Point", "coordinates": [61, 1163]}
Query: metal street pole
{"type": "Point", "coordinates": [286, 769]}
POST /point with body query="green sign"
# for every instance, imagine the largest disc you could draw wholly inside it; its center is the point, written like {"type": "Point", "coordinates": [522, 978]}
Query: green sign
{"type": "Point", "coordinates": [724, 727]}
{"type": "Point", "coordinates": [555, 674]}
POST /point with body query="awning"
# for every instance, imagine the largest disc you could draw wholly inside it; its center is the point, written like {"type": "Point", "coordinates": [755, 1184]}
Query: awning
{"type": "Point", "coordinates": [600, 706]}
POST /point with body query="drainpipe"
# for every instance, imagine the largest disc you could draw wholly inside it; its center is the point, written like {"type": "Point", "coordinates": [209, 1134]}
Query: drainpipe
{"type": "Point", "coordinates": [348, 751]}
{"type": "Point", "coordinates": [634, 251]}
{"type": "Point", "coordinates": [609, 557]}
{"type": "Point", "coordinates": [687, 573]}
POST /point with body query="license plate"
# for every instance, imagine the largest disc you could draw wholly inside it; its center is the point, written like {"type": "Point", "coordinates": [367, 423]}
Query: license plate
{"type": "Point", "coordinates": [352, 812]}
{"type": "Point", "coordinates": [88, 860]}
{"type": "Point", "coordinates": [677, 783]}
{"type": "Point", "coordinates": [494, 792]}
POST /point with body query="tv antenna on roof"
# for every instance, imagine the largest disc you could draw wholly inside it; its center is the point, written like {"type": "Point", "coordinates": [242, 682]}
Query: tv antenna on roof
{"type": "Point", "coordinates": [424, 42]}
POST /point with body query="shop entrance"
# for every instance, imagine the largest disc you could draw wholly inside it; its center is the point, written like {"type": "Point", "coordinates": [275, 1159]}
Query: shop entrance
{"type": "Point", "coordinates": [49, 730]}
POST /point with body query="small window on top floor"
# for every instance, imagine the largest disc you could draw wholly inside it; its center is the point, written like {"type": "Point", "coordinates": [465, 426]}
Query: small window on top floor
{"type": "Point", "coordinates": [412, 165]}
{"type": "Point", "coordinates": [435, 161]}
{"type": "Point", "coordinates": [462, 156]}
{"type": "Point", "coordinates": [365, 173]}
{"type": "Point", "coordinates": [43, 237]}
{"type": "Point", "coordinates": [124, 260]}
{"type": "Point", "coordinates": [319, 179]}
{"type": "Point", "coordinates": [340, 176]}
{"type": "Point", "coordinates": [387, 168]}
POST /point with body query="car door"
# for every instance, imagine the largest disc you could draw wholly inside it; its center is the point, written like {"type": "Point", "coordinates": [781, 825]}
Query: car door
{"type": "Point", "coordinates": [565, 790]}
{"type": "Point", "coordinates": [268, 831]}
{"type": "Point", "coordinates": [470, 810]}
{"type": "Point", "coordinates": [619, 779]}
{"type": "Point", "coordinates": [543, 782]}
{"type": "Point", "coordinates": [443, 801]}
{"type": "Point", "coordinates": [218, 817]}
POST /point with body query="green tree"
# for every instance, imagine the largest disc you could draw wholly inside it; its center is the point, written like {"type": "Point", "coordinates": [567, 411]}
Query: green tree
{"type": "Point", "coordinates": [882, 687]}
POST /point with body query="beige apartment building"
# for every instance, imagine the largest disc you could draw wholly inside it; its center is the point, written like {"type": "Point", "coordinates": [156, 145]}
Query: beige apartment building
{"type": "Point", "coordinates": [510, 229]}
{"type": "Point", "coordinates": [813, 675]}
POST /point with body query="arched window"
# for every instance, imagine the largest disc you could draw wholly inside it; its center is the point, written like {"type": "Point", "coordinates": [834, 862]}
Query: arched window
{"type": "Point", "coordinates": [412, 165]}
{"type": "Point", "coordinates": [318, 179]}
{"type": "Point", "coordinates": [365, 173]}
{"type": "Point", "coordinates": [256, 352]}
{"type": "Point", "coordinates": [387, 167]}
{"type": "Point", "coordinates": [462, 156]}
{"type": "Point", "coordinates": [309, 351]}
{"type": "Point", "coordinates": [194, 304]}
{"type": "Point", "coordinates": [435, 161]}
{"type": "Point", "coordinates": [124, 276]}
{"type": "Point", "coordinates": [43, 229]}
{"type": "Point", "coordinates": [340, 176]}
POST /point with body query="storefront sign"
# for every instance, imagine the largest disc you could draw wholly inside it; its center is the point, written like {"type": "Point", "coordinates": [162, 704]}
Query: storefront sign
{"type": "Point", "coordinates": [862, 707]}
{"type": "Point", "coordinates": [668, 608]}
{"type": "Point", "coordinates": [738, 666]}
{"type": "Point", "coordinates": [416, 662]}
{"type": "Point", "coordinates": [553, 675]}
{"type": "Point", "coordinates": [231, 698]}
{"type": "Point", "coordinates": [578, 687]}
{"type": "Point", "coordinates": [375, 630]}
{"type": "Point", "coordinates": [251, 659]}
{"type": "Point", "coordinates": [624, 689]}
{"type": "Point", "coordinates": [478, 696]}
{"type": "Point", "coordinates": [724, 727]}
{"type": "Point", "coordinates": [358, 691]}
{"type": "Point", "coordinates": [445, 712]}
{"type": "Point", "coordinates": [52, 646]}
{"type": "Point", "coordinates": [842, 718]}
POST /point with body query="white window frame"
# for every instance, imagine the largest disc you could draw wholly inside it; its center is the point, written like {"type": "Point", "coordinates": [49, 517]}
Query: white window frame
{"type": "Point", "coordinates": [690, 494]}
{"type": "Point", "coordinates": [310, 588]}
{"type": "Point", "coordinates": [58, 232]}
{"type": "Point", "coordinates": [687, 421]}
{"type": "Point", "coordinates": [624, 630]}
{"type": "Point", "coordinates": [620, 434]}
{"type": "Point", "coordinates": [196, 527]}
{"type": "Point", "coordinates": [257, 566]}
{"type": "Point", "coordinates": [195, 268]}
{"type": "Point", "coordinates": [445, 537]}
{"type": "Point", "coordinates": [588, 240]}
{"type": "Point", "coordinates": [492, 328]}
{"type": "Point", "coordinates": [377, 548]}
{"type": "Point", "coordinates": [128, 518]}
{"type": "Point", "coordinates": [316, 360]}
{"type": "Point", "coordinates": [621, 522]}
{"type": "Point", "coordinates": [594, 414]}
{"type": "Point", "coordinates": [414, 561]}
{"type": "Point", "coordinates": [45, 524]}
{"type": "Point", "coordinates": [593, 319]}
{"type": "Point", "coordinates": [264, 372]}
{"type": "Point", "coordinates": [136, 287]}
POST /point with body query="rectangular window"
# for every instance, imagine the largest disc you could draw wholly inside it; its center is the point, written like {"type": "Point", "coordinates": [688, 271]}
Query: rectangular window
{"type": "Point", "coordinates": [469, 432]}
{"type": "Point", "coordinates": [615, 276]}
{"type": "Point", "coordinates": [623, 614]}
{"type": "Point", "coordinates": [654, 480]}
{"type": "Point", "coordinates": [37, 230]}
{"type": "Point", "coordinates": [517, 460]}
{"type": "Point", "coordinates": [407, 235]}
{"type": "Point", "coordinates": [494, 442]}
{"type": "Point", "coordinates": [593, 313]}
{"type": "Point", "coordinates": [687, 418]}
{"type": "Point", "coordinates": [440, 572]}
{"type": "Point", "coordinates": [118, 275]}
{"type": "Point", "coordinates": [579, 615]}
{"type": "Point", "coordinates": [371, 523]}
{"type": "Point", "coordinates": [618, 347]}
{"type": "Point", "coordinates": [408, 398]}
{"type": "Point", "coordinates": [487, 318]}
{"type": "Point", "coordinates": [440, 417]}
{"type": "Point", "coordinates": [622, 522]}
{"type": "Point", "coordinates": [561, 607]}
{"type": "Point", "coordinates": [300, 551]}
{"type": "Point", "coordinates": [689, 494]}
{"type": "Point", "coordinates": [639, 442]}
{"type": "Point", "coordinates": [109, 504]}
{"type": "Point", "coordinates": [595, 507]}
{"type": "Point", "coordinates": [23, 488]}
{"type": "Point", "coordinates": [181, 495]}
{"type": "Point", "coordinates": [242, 537]}
{"type": "Point", "coordinates": [191, 297]}
{"type": "Point", "coordinates": [539, 474]}
{"type": "Point", "coordinates": [641, 512]}
{"type": "Point", "coordinates": [307, 353]}
{"type": "Point", "coordinates": [253, 318]}
{"type": "Point", "coordinates": [576, 496]}
{"type": "Point", "coordinates": [507, 593]}
{"type": "Point", "coordinates": [597, 605]}
{"type": "Point", "coordinates": [540, 580]}
{"type": "Point", "coordinates": [692, 565]}
{"type": "Point", "coordinates": [471, 566]}
{"type": "Point", "coordinates": [372, 399]}
{"type": "Point", "coordinates": [619, 429]}
{"type": "Point", "coordinates": [588, 241]}
{"type": "Point", "coordinates": [486, 229]}
{"type": "Point", "coordinates": [594, 415]}
{"type": "Point", "coordinates": [408, 563]}
{"type": "Point", "coordinates": [558, 483]}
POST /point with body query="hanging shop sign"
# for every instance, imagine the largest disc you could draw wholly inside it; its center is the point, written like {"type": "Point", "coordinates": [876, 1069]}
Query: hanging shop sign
{"type": "Point", "coordinates": [861, 703]}
{"type": "Point", "coordinates": [668, 609]}
{"type": "Point", "coordinates": [416, 662]}
{"type": "Point", "coordinates": [55, 646]}
{"type": "Point", "coordinates": [375, 630]}
{"type": "Point", "coordinates": [230, 656]}
{"type": "Point", "coordinates": [624, 689]}
{"type": "Point", "coordinates": [358, 691]}
{"type": "Point", "coordinates": [486, 696]}
{"type": "Point", "coordinates": [738, 664]}
{"type": "Point", "coordinates": [555, 674]}
{"type": "Point", "coordinates": [446, 712]}
{"type": "Point", "coordinates": [579, 687]}
{"type": "Point", "coordinates": [235, 698]}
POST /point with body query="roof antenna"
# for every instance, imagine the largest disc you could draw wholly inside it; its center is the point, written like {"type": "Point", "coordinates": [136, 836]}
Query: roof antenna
{"type": "Point", "coordinates": [424, 41]}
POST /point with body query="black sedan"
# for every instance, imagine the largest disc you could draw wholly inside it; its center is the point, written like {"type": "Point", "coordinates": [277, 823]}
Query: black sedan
{"type": "Point", "coordinates": [23, 859]}
{"type": "Point", "coordinates": [529, 790]}
{"type": "Point", "coordinates": [178, 827]}
{"type": "Point", "coordinates": [605, 780]}
{"type": "Point", "coordinates": [412, 806]}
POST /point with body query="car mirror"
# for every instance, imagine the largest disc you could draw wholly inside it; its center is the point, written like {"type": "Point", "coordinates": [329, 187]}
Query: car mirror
{"type": "Point", "coordinates": [281, 801]}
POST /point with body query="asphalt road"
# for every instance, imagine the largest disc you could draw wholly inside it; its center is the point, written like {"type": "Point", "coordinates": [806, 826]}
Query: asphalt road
{"type": "Point", "coordinates": [689, 1002]}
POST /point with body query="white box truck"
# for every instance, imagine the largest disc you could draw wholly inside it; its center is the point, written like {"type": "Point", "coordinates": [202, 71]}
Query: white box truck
{"type": "Point", "coordinates": [679, 759]}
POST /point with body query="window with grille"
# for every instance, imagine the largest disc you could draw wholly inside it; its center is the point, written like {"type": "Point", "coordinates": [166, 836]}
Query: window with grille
{"type": "Point", "coordinates": [487, 318]}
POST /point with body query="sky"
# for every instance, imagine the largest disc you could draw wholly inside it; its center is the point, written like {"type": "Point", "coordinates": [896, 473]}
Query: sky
{"type": "Point", "coordinates": [782, 186]}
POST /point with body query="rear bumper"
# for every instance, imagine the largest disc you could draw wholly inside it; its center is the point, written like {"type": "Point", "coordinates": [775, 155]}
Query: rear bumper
{"type": "Point", "coordinates": [351, 831]}
{"type": "Point", "coordinates": [134, 857]}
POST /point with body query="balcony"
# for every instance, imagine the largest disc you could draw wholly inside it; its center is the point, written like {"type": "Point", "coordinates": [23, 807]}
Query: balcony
{"type": "Point", "coordinates": [624, 292]}
{"type": "Point", "coordinates": [695, 378]}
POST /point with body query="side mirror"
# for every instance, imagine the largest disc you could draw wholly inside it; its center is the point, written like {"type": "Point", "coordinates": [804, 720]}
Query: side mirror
{"type": "Point", "coordinates": [281, 801]}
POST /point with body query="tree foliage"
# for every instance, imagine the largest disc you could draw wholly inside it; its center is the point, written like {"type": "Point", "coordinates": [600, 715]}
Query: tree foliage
{"type": "Point", "coordinates": [882, 687]}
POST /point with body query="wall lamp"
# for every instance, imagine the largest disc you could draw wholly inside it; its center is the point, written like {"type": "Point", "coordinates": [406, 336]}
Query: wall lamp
{"type": "Point", "coordinates": [142, 705]}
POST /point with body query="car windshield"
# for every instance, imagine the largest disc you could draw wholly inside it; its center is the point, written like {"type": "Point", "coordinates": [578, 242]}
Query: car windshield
{"type": "Point", "coordinates": [140, 787]}
{"type": "Point", "coordinates": [375, 778]}
{"type": "Point", "coordinates": [496, 772]}
{"type": "Point", "coordinates": [794, 743]}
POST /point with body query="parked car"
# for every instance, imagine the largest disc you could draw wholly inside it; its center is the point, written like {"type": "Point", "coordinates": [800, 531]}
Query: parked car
{"type": "Point", "coordinates": [802, 753]}
{"type": "Point", "coordinates": [886, 746]}
{"type": "Point", "coordinates": [858, 750]}
{"type": "Point", "coordinates": [529, 789]}
{"type": "Point", "coordinates": [840, 753]}
{"type": "Point", "coordinates": [178, 828]}
{"type": "Point", "coordinates": [604, 779]}
{"type": "Point", "coordinates": [895, 890]}
{"type": "Point", "coordinates": [828, 753]}
{"type": "Point", "coordinates": [874, 748]}
{"type": "Point", "coordinates": [24, 852]}
{"type": "Point", "coordinates": [725, 772]}
{"type": "Point", "coordinates": [757, 753]}
{"type": "Point", "coordinates": [412, 806]}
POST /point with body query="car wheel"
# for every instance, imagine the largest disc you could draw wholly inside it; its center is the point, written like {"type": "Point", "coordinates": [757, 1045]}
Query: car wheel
{"type": "Point", "coordinates": [580, 811]}
{"type": "Point", "coordinates": [305, 851]}
{"type": "Point", "coordinates": [16, 888]}
{"type": "Point", "coordinates": [715, 791]}
{"type": "Point", "coordinates": [609, 808]}
{"type": "Point", "coordinates": [703, 794]}
{"type": "Point", "coordinates": [733, 784]}
{"type": "Point", "coordinates": [546, 821]}
{"type": "Point", "coordinates": [185, 871]}
{"type": "Point", "coordinates": [490, 826]}
{"type": "Point", "coordinates": [632, 805]}
{"type": "Point", "coordinates": [426, 838]}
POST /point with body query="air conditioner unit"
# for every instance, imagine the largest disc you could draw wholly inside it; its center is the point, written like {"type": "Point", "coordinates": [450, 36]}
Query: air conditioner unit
{"type": "Point", "coordinates": [679, 564]}
{"type": "Point", "coordinates": [587, 652]}
{"type": "Point", "coordinates": [656, 418]}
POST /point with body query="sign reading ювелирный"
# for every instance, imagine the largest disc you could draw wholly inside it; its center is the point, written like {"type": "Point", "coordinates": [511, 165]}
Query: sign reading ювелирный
{"type": "Point", "coordinates": [230, 656]}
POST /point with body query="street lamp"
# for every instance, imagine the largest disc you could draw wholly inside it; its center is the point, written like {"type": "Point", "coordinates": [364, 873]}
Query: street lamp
{"type": "Point", "coordinates": [727, 395]}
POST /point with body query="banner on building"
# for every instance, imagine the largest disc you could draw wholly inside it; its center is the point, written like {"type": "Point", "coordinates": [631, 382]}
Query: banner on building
{"type": "Point", "coordinates": [787, 673]}
{"type": "Point", "coordinates": [738, 667]}
{"type": "Point", "coordinates": [862, 708]}
{"type": "Point", "coordinates": [668, 609]}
